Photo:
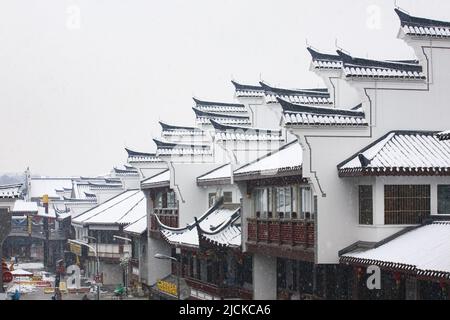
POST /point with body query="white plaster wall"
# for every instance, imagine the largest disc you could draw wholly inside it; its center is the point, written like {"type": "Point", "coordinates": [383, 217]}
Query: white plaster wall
{"type": "Point", "coordinates": [394, 106]}
{"type": "Point", "coordinates": [191, 198]}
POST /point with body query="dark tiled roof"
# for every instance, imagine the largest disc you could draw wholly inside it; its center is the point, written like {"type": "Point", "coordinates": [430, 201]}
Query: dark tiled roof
{"type": "Point", "coordinates": [445, 135]}
{"type": "Point", "coordinates": [296, 114]}
{"type": "Point", "coordinates": [247, 91]}
{"type": "Point", "coordinates": [168, 127]}
{"type": "Point", "coordinates": [139, 154]}
{"type": "Point", "coordinates": [135, 156]}
{"type": "Point", "coordinates": [210, 106]}
{"type": "Point", "coordinates": [230, 132]}
{"type": "Point", "coordinates": [246, 87]}
{"type": "Point", "coordinates": [365, 68]}
{"type": "Point", "coordinates": [205, 117]}
{"type": "Point", "coordinates": [166, 148]}
{"type": "Point", "coordinates": [325, 61]}
{"type": "Point", "coordinates": [411, 21]}
{"type": "Point", "coordinates": [308, 96]}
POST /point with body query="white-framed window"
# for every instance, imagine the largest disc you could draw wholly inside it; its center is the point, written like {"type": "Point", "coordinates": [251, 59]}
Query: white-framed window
{"type": "Point", "coordinates": [443, 199]}
{"type": "Point", "coordinates": [228, 197]}
{"type": "Point", "coordinates": [306, 211]}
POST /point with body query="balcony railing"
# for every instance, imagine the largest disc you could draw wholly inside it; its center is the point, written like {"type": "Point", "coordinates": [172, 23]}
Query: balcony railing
{"type": "Point", "coordinates": [281, 232]}
{"type": "Point", "coordinates": [226, 292]}
{"type": "Point", "coordinates": [38, 232]}
{"type": "Point", "coordinates": [168, 217]}
{"type": "Point", "coordinates": [111, 251]}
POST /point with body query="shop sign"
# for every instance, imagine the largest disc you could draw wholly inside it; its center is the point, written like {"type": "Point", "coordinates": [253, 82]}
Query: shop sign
{"type": "Point", "coordinates": [75, 248]}
{"type": "Point", "coordinates": [167, 287]}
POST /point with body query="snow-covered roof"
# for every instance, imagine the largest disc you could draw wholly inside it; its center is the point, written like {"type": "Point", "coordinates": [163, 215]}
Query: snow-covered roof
{"type": "Point", "coordinates": [325, 61]}
{"type": "Point", "coordinates": [445, 135]}
{"type": "Point", "coordinates": [81, 189]}
{"type": "Point", "coordinates": [137, 227]}
{"type": "Point", "coordinates": [166, 148]}
{"type": "Point", "coordinates": [423, 27]}
{"type": "Point", "coordinates": [51, 212]}
{"type": "Point", "coordinates": [376, 69]}
{"type": "Point", "coordinates": [137, 157]}
{"type": "Point", "coordinates": [247, 91]}
{"type": "Point", "coordinates": [21, 272]}
{"type": "Point", "coordinates": [237, 133]}
{"type": "Point", "coordinates": [48, 185]}
{"type": "Point", "coordinates": [303, 115]}
{"type": "Point", "coordinates": [219, 225]}
{"type": "Point", "coordinates": [288, 158]}
{"type": "Point", "coordinates": [303, 96]}
{"type": "Point", "coordinates": [204, 117]}
{"type": "Point", "coordinates": [25, 206]}
{"type": "Point", "coordinates": [219, 107]}
{"type": "Point", "coordinates": [173, 130]}
{"type": "Point", "coordinates": [107, 185]}
{"type": "Point", "coordinates": [125, 172]}
{"type": "Point", "coordinates": [10, 191]}
{"type": "Point", "coordinates": [125, 208]}
{"type": "Point", "coordinates": [401, 153]}
{"type": "Point", "coordinates": [423, 250]}
{"type": "Point", "coordinates": [223, 172]}
{"type": "Point", "coordinates": [157, 180]}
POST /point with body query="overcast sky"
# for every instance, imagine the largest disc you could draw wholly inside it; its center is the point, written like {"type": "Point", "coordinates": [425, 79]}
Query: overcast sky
{"type": "Point", "coordinates": [82, 79]}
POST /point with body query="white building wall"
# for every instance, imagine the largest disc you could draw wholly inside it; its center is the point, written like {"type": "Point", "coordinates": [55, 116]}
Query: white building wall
{"type": "Point", "coordinates": [395, 105]}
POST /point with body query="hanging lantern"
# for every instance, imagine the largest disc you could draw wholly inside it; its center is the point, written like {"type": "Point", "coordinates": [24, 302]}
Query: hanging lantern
{"type": "Point", "coordinates": [359, 272]}
{"type": "Point", "coordinates": [398, 278]}
{"type": "Point", "coordinates": [443, 285]}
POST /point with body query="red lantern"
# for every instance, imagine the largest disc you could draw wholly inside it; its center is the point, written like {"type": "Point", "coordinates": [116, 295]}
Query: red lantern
{"type": "Point", "coordinates": [7, 277]}
{"type": "Point", "coordinates": [443, 285]}
{"type": "Point", "coordinates": [359, 272]}
{"type": "Point", "coordinates": [398, 278]}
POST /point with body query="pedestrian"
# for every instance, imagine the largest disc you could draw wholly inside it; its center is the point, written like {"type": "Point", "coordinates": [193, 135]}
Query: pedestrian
{"type": "Point", "coordinates": [16, 295]}
{"type": "Point", "coordinates": [57, 295]}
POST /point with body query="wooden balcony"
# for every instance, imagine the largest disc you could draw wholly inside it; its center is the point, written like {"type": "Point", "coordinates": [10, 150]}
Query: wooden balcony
{"type": "Point", "coordinates": [38, 233]}
{"type": "Point", "coordinates": [111, 250]}
{"type": "Point", "coordinates": [266, 235]}
{"type": "Point", "coordinates": [168, 217]}
{"type": "Point", "coordinates": [217, 291]}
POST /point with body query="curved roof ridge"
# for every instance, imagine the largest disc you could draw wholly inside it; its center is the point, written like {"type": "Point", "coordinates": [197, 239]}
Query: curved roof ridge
{"type": "Point", "coordinates": [138, 153]}
{"type": "Point", "coordinates": [224, 127]}
{"type": "Point", "coordinates": [218, 115]}
{"type": "Point", "coordinates": [389, 64]}
{"type": "Point", "coordinates": [233, 218]}
{"type": "Point", "coordinates": [299, 108]}
{"type": "Point", "coordinates": [407, 19]}
{"type": "Point", "coordinates": [321, 92]}
{"type": "Point", "coordinates": [221, 104]}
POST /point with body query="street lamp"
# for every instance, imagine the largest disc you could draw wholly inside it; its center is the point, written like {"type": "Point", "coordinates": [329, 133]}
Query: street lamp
{"type": "Point", "coordinates": [165, 257]}
{"type": "Point", "coordinates": [81, 243]}
{"type": "Point", "coordinates": [127, 267]}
